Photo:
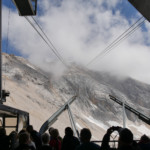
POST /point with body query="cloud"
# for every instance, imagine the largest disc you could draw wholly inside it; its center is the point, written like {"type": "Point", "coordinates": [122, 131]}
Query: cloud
{"type": "Point", "coordinates": [80, 30]}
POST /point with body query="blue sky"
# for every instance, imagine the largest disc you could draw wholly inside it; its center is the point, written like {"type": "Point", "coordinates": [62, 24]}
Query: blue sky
{"type": "Point", "coordinates": [80, 30]}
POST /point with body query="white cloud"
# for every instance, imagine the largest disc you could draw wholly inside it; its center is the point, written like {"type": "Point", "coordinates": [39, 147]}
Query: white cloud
{"type": "Point", "coordinates": [80, 30]}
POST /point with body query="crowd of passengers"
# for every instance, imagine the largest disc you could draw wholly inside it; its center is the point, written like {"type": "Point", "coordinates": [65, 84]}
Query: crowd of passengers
{"type": "Point", "coordinates": [30, 139]}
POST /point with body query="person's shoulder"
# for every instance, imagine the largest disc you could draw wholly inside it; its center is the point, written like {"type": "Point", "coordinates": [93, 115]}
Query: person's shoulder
{"type": "Point", "coordinates": [94, 145]}
{"type": "Point", "coordinates": [26, 147]}
{"type": "Point", "coordinates": [79, 147]}
{"type": "Point", "coordinates": [75, 138]}
{"type": "Point", "coordinates": [88, 146]}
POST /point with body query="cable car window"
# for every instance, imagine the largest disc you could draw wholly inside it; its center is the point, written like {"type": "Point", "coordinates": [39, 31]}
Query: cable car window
{"type": "Point", "coordinates": [11, 122]}
{"type": "Point", "coordinates": [9, 130]}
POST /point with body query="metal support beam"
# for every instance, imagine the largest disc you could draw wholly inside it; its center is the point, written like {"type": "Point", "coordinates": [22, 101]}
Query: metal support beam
{"type": "Point", "coordinates": [53, 118]}
{"type": "Point", "coordinates": [143, 6]}
{"type": "Point", "coordinates": [76, 133]}
{"type": "Point", "coordinates": [17, 122]}
{"type": "Point", "coordinates": [124, 115]}
{"type": "Point", "coordinates": [26, 7]}
{"type": "Point", "coordinates": [4, 121]}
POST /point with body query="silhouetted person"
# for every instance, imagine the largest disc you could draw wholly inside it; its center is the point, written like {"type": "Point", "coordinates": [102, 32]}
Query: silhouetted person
{"type": "Point", "coordinates": [24, 140]}
{"type": "Point", "coordinates": [125, 141]}
{"type": "Point", "coordinates": [144, 143]}
{"type": "Point", "coordinates": [55, 142]}
{"type": "Point", "coordinates": [50, 130]}
{"type": "Point", "coordinates": [69, 142]}
{"type": "Point", "coordinates": [85, 137]}
{"type": "Point", "coordinates": [4, 140]}
{"type": "Point", "coordinates": [35, 136]}
{"type": "Point", "coordinates": [13, 139]}
{"type": "Point", "coordinates": [45, 142]}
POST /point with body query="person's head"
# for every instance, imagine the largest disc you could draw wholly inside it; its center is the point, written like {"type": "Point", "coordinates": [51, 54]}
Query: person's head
{"type": "Point", "coordinates": [22, 131]}
{"type": "Point", "coordinates": [2, 131]}
{"type": "Point", "coordinates": [125, 137]}
{"type": "Point", "coordinates": [50, 130]}
{"type": "Point", "coordinates": [13, 135]}
{"type": "Point", "coordinates": [144, 139]}
{"type": "Point", "coordinates": [68, 131]}
{"type": "Point", "coordinates": [29, 128]}
{"type": "Point", "coordinates": [54, 133]}
{"type": "Point", "coordinates": [24, 138]}
{"type": "Point", "coordinates": [85, 135]}
{"type": "Point", "coordinates": [45, 138]}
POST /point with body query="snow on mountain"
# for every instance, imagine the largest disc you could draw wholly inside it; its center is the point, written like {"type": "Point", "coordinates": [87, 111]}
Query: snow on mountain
{"type": "Point", "coordinates": [34, 90]}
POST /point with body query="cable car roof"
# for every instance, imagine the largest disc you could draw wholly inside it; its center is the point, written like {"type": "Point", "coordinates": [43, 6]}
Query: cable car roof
{"type": "Point", "coordinates": [11, 112]}
{"type": "Point", "coordinates": [26, 7]}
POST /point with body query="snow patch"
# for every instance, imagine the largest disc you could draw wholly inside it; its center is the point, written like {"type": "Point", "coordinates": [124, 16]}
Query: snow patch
{"type": "Point", "coordinates": [96, 122]}
{"type": "Point", "coordinates": [30, 66]}
{"type": "Point", "coordinates": [93, 106]}
{"type": "Point", "coordinates": [78, 126]}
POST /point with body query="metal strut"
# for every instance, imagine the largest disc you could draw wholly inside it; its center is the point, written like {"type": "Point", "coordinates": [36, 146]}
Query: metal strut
{"type": "Point", "coordinates": [53, 118]}
{"type": "Point", "coordinates": [76, 133]}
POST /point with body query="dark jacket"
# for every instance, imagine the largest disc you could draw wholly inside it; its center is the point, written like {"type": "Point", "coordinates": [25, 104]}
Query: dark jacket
{"type": "Point", "coordinates": [144, 146]}
{"type": "Point", "coordinates": [88, 146]}
{"type": "Point", "coordinates": [45, 147]}
{"type": "Point", "coordinates": [70, 143]}
{"type": "Point", "coordinates": [35, 136]}
{"type": "Point", "coordinates": [25, 147]}
{"type": "Point", "coordinates": [55, 144]}
{"type": "Point", "coordinates": [4, 142]}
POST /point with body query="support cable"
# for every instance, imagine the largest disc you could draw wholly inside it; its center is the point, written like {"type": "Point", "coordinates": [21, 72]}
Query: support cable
{"type": "Point", "coordinates": [53, 47]}
{"type": "Point", "coordinates": [117, 41]}
{"type": "Point", "coordinates": [102, 54]}
{"type": "Point", "coordinates": [46, 42]}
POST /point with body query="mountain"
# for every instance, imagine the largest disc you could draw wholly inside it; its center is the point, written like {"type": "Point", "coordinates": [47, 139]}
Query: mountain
{"type": "Point", "coordinates": [41, 94]}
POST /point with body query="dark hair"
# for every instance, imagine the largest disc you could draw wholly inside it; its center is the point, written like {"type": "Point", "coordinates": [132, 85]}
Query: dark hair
{"type": "Point", "coordinates": [24, 138]}
{"type": "Point", "coordinates": [22, 131]}
{"type": "Point", "coordinates": [85, 134]}
{"type": "Point", "coordinates": [29, 128]}
{"type": "Point", "coordinates": [68, 131]}
{"type": "Point", "coordinates": [144, 139]}
{"type": "Point", "coordinates": [126, 136]}
{"type": "Point", "coordinates": [45, 138]}
{"type": "Point", "coordinates": [54, 133]}
{"type": "Point", "coordinates": [50, 130]}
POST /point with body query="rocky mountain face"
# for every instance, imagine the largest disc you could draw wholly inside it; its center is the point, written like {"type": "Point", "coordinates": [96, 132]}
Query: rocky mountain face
{"type": "Point", "coordinates": [39, 93]}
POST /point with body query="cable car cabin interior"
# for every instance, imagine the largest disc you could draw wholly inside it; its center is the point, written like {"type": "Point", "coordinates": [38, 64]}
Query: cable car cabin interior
{"type": "Point", "coordinates": [26, 7]}
{"type": "Point", "coordinates": [13, 119]}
